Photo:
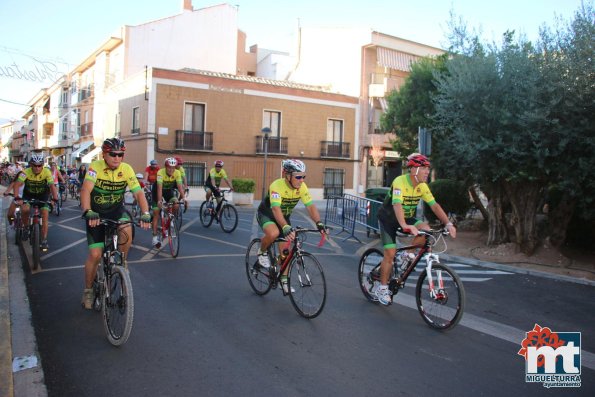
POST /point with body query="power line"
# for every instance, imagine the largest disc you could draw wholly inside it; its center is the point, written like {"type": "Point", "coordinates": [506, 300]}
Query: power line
{"type": "Point", "coordinates": [14, 103]}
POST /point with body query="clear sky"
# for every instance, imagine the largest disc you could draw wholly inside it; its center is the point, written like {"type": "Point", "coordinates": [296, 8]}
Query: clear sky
{"type": "Point", "coordinates": [38, 35]}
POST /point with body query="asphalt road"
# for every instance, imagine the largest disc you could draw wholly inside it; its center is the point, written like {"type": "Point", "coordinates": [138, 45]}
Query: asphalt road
{"type": "Point", "coordinates": [200, 330]}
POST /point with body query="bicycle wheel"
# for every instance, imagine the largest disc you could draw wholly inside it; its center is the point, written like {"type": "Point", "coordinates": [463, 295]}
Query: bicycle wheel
{"type": "Point", "coordinates": [118, 307]}
{"type": "Point", "coordinates": [18, 228]}
{"type": "Point", "coordinates": [307, 285]}
{"type": "Point", "coordinates": [369, 260]}
{"type": "Point", "coordinates": [186, 193]}
{"type": "Point", "coordinates": [35, 240]}
{"type": "Point", "coordinates": [58, 207]}
{"type": "Point", "coordinates": [63, 196]}
{"type": "Point", "coordinates": [257, 276]}
{"type": "Point", "coordinates": [179, 217]}
{"type": "Point", "coordinates": [174, 241]}
{"type": "Point", "coordinates": [206, 216]}
{"type": "Point", "coordinates": [97, 295]}
{"type": "Point", "coordinates": [443, 308]}
{"type": "Point", "coordinates": [228, 218]}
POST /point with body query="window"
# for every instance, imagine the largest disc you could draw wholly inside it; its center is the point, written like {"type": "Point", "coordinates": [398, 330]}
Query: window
{"type": "Point", "coordinates": [194, 117]}
{"type": "Point", "coordinates": [135, 121]}
{"type": "Point", "coordinates": [334, 130]}
{"type": "Point", "coordinates": [272, 120]}
{"type": "Point", "coordinates": [333, 182]}
{"type": "Point", "coordinates": [64, 128]}
{"type": "Point", "coordinates": [195, 173]}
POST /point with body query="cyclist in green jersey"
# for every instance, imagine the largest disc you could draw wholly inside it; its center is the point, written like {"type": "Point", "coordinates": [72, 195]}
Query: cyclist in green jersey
{"type": "Point", "coordinates": [102, 197]}
{"type": "Point", "coordinates": [168, 179]}
{"type": "Point", "coordinates": [275, 210]}
{"type": "Point", "coordinates": [397, 213]}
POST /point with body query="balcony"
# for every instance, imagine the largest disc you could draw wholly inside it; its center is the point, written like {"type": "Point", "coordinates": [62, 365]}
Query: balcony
{"type": "Point", "coordinates": [276, 145]}
{"type": "Point", "coordinates": [86, 92]}
{"type": "Point", "coordinates": [334, 149]}
{"type": "Point", "coordinates": [374, 128]}
{"type": "Point", "coordinates": [194, 140]}
{"type": "Point", "coordinates": [86, 129]}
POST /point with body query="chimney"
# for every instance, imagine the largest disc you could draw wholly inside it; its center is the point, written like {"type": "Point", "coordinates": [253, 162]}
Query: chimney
{"type": "Point", "coordinates": [187, 5]}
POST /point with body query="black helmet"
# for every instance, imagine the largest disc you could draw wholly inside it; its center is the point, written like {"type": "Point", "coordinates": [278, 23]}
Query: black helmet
{"type": "Point", "coordinates": [113, 144]}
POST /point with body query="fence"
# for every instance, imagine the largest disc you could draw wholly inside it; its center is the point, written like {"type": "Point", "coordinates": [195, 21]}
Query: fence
{"type": "Point", "coordinates": [347, 211]}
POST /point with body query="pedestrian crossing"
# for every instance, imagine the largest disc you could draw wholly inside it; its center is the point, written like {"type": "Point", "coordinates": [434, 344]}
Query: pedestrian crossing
{"type": "Point", "coordinates": [470, 273]}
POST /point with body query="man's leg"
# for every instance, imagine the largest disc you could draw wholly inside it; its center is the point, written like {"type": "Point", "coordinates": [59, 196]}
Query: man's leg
{"type": "Point", "coordinates": [90, 271]}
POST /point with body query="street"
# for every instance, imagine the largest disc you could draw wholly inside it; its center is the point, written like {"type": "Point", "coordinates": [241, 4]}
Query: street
{"type": "Point", "coordinates": [199, 329]}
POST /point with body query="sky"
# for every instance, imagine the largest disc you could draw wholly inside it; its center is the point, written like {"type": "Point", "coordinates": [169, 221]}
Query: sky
{"type": "Point", "coordinates": [39, 37]}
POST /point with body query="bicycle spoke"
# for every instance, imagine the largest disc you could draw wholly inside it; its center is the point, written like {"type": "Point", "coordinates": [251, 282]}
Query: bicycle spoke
{"type": "Point", "coordinates": [228, 218]}
{"type": "Point", "coordinates": [118, 307]}
{"type": "Point", "coordinates": [369, 260]}
{"type": "Point", "coordinates": [257, 276]}
{"type": "Point", "coordinates": [307, 285]}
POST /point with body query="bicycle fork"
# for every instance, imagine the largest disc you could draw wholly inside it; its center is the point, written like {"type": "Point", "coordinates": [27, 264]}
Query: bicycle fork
{"type": "Point", "coordinates": [435, 293]}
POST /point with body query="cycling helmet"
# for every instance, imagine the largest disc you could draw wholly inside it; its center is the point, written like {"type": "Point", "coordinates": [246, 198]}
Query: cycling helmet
{"type": "Point", "coordinates": [292, 165]}
{"type": "Point", "coordinates": [153, 162]}
{"type": "Point", "coordinates": [179, 160]}
{"type": "Point", "coordinates": [417, 160]}
{"type": "Point", "coordinates": [140, 176]}
{"type": "Point", "coordinates": [218, 163]}
{"type": "Point", "coordinates": [36, 158]}
{"type": "Point", "coordinates": [171, 161]}
{"type": "Point", "coordinates": [113, 144]}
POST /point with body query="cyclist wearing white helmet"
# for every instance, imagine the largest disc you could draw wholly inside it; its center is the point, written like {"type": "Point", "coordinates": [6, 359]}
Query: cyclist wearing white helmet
{"type": "Point", "coordinates": [275, 209]}
{"type": "Point", "coordinates": [216, 175]}
{"type": "Point", "coordinates": [168, 179]}
{"type": "Point", "coordinates": [38, 183]}
{"type": "Point", "coordinates": [397, 213]}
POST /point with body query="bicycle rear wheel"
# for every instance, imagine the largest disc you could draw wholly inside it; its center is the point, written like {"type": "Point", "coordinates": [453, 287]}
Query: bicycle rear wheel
{"type": "Point", "coordinates": [441, 307]}
{"type": "Point", "coordinates": [174, 241]}
{"type": "Point", "coordinates": [369, 260]}
{"type": "Point", "coordinates": [228, 218]}
{"type": "Point", "coordinates": [307, 285]}
{"type": "Point", "coordinates": [206, 216]}
{"type": "Point", "coordinates": [258, 277]}
{"type": "Point", "coordinates": [35, 240]}
{"type": "Point", "coordinates": [118, 307]}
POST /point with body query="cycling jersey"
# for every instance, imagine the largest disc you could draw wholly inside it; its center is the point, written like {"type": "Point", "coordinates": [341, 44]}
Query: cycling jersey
{"type": "Point", "coordinates": [216, 176]}
{"type": "Point", "coordinates": [109, 185]}
{"type": "Point", "coordinates": [151, 173]}
{"type": "Point", "coordinates": [182, 171]}
{"type": "Point", "coordinates": [402, 192]}
{"type": "Point", "coordinates": [168, 182]}
{"type": "Point", "coordinates": [36, 185]}
{"type": "Point", "coordinates": [282, 195]}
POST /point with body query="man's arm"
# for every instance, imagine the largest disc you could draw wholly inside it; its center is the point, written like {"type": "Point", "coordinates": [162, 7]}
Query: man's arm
{"type": "Point", "coordinates": [440, 214]}
{"type": "Point", "coordinates": [400, 214]}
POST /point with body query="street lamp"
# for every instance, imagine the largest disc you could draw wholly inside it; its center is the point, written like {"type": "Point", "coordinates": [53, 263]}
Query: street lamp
{"type": "Point", "coordinates": [265, 136]}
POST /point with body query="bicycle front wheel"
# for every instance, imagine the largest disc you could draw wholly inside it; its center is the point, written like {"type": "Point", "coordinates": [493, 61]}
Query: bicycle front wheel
{"type": "Point", "coordinates": [35, 242]}
{"type": "Point", "coordinates": [228, 218]}
{"type": "Point", "coordinates": [368, 262]}
{"type": "Point", "coordinates": [174, 241]}
{"type": "Point", "coordinates": [441, 302]}
{"type": "Point", "coordinates": [258, 277]}
{"type": "Point", "coordinates": [206, 216]}
{"type": "Point", "coordinates": [307, 285]}
{"type": "Point", "coordinates": [118, 307]}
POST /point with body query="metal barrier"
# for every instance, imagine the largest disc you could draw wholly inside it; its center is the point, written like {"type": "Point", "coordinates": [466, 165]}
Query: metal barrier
{"type": "Point", "coordinates": [347, 211]}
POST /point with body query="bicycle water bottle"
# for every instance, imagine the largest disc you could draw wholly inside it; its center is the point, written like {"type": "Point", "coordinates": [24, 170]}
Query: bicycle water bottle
{"type": "Point", "coordinates": [406, 258]}
{"type": "Point", "coordinates": [283, 255]}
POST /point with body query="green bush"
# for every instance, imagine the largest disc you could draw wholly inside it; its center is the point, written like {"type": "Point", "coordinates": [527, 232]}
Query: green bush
{"type": "Point", "coordinates": [243, 185]}
{"type": "Point", "coordinates": [452, 196]}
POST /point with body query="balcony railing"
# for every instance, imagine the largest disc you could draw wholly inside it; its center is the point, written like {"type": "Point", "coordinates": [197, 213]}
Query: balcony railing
{"type": "Point", "coordinates": [374, 128]}
{"type": "Point", "coordinates": [276, 145]}
{"type": "Point", "coordinates": [334, 149]}
{"type": "Point", "coordinates": [87, 129]}
{"type": "Point", "coordinates": [194, 140]}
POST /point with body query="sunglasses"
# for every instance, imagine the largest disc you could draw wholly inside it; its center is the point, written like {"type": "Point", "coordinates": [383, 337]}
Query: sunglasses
{"type": "Point", "coordinates": [36, 165]}
{"type": "Point", "coordinates": [300, 177]}
{"type": "Point", "coordinates": [112, 154]}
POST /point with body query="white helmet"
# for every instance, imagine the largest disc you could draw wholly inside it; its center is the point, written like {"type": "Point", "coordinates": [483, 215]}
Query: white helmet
{"type": "Point", "coordinates": [293, 165]}
{"type": "Point", "coordinates": [36, 158]}
{"type": "Point", "coordinates": [140, 176]}
{"type": "Point", "coordinates": [171, 161]}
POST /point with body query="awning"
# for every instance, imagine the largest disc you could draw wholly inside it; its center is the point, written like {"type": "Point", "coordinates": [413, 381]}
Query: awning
{"type": "Point", "coordinates": [395, 59]}
{"type": "Point", "coordinates": [84, 146]}
{"type": "Point", "coordinates": [88, 158]}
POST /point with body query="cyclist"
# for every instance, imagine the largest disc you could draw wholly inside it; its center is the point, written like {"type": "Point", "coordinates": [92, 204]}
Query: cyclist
{"type": "Point", "coordinates": [38, 184]}
{"type": "Point", "coordinates": [275, 210]}
{"type": "Point", "coordinates": [213, 182]}
{"type": "Point", "coordinates": [57, 176]}
{"type": "Point", "coordinates": [102, 196]}
{"type": "Point", "coordinates": [151, 172]}
{"type": "Point", "coordinates": [397, 213]}
{"type": "Point", "coordinates": [19, 193]}
{"type": "Point", "coordinates": [180, 168]}
{"type": "Point", "coordinates": [168, 179]}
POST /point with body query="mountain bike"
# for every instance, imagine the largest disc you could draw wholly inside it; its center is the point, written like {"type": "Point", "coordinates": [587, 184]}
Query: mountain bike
{"type": "Point", "coordinates": [223, 212]}
{"type": "Point", "coordinates": [112, 287]}
{"type": "Point", "coordinates": [61, 198]}
{"type": "Point", "coordinates": [17, 223]}
{"type": "Point", "coordinates": [306, 285]}
{"type": "Point", "coordinates": [169, 227]}
{"type": "Point", "coordinates": [33, 229]}
{"type": "Point", "coordinates": [439, 292]}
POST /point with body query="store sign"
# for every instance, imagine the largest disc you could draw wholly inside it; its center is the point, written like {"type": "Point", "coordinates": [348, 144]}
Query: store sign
{"type": "Point", "coordinates": [391, 154]}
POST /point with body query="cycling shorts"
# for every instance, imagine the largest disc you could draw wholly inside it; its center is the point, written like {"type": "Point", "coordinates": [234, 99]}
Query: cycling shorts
{"type": "Point", "coordinates": [96, 235]}
{"type": "Point", "coordinates": [389, 229]}
{"type": "Point", "coordinates": [166, 193]}
{"type": "Point", "coordinates": [41, 197]}
{"type": "Point", "coordinates": [265, 220]}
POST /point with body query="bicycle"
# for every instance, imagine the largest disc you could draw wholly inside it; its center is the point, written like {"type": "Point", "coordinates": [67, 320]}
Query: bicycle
{"type": "Point", "coordinates": [112, 288]}
{"type": "Point", "coordinates": [306, 284]}
{"type": "Point", "coordinates": [61, 198]}
{"type": "Point", "coordinates": [439, 292]}
{"type": "Point", "coordinates": [169, 227]}
{"type": "Point", "coordinates": [73, 188]}
{"type": "Point", "coordinates": [223, 213]}
{"type": "Point", "coordinates": [17, 223]}
{"type": "Point", "coordinates": [33, 229]}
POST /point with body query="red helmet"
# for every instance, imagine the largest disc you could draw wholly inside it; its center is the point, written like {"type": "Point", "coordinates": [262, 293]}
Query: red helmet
{"type": "Point", "coordinates": [179, 160]}
{"type": "Point", "coordinates": [417, 160]}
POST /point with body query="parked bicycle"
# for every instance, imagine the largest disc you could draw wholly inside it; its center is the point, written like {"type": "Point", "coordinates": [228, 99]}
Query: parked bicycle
{"type": "Point", "coordinates": [223, 213]}
{"type": "Point", "coordinates": [169, 228]}
{"type": "Point", "coordinates": [439, 293]}
{"type": "Point", "coordinates": [306, 285]}
{"type": "Point", "coordinates": [112, 288]}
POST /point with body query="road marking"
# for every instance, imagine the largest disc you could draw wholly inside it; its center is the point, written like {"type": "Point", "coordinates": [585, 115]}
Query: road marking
{"type": "Point", "coordinates": [66, 247]}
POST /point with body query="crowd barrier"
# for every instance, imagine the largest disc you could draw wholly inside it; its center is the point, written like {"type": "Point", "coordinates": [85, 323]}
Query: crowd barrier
{"type": "Point", "coordinates": [348, 211]}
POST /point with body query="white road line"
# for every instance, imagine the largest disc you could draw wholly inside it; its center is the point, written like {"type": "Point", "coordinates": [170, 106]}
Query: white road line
{"type": "Point", "coordinates": [46, 256]}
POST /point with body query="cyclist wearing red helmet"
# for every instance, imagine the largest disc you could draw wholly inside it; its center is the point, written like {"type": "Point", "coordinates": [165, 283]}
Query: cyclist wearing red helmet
{"type": "Point", "coordinates": [397, 213]}
{"type": "Point", "coordinates": [216, 175]}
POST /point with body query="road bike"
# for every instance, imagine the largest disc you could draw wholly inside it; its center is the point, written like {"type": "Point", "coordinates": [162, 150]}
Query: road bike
{"type": "Point", "coordinates": [186, 196]}
{"type": "Point", "coordinates": [223, 212]}
{"type": "Point", "coordinates": [439, 292]}
{"type": "Point", "coordinates": [169, 228]}
{"type": "Point", "coordinates": [306, 284]}
{"type": "Point", "coordinates": [112, 288]}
